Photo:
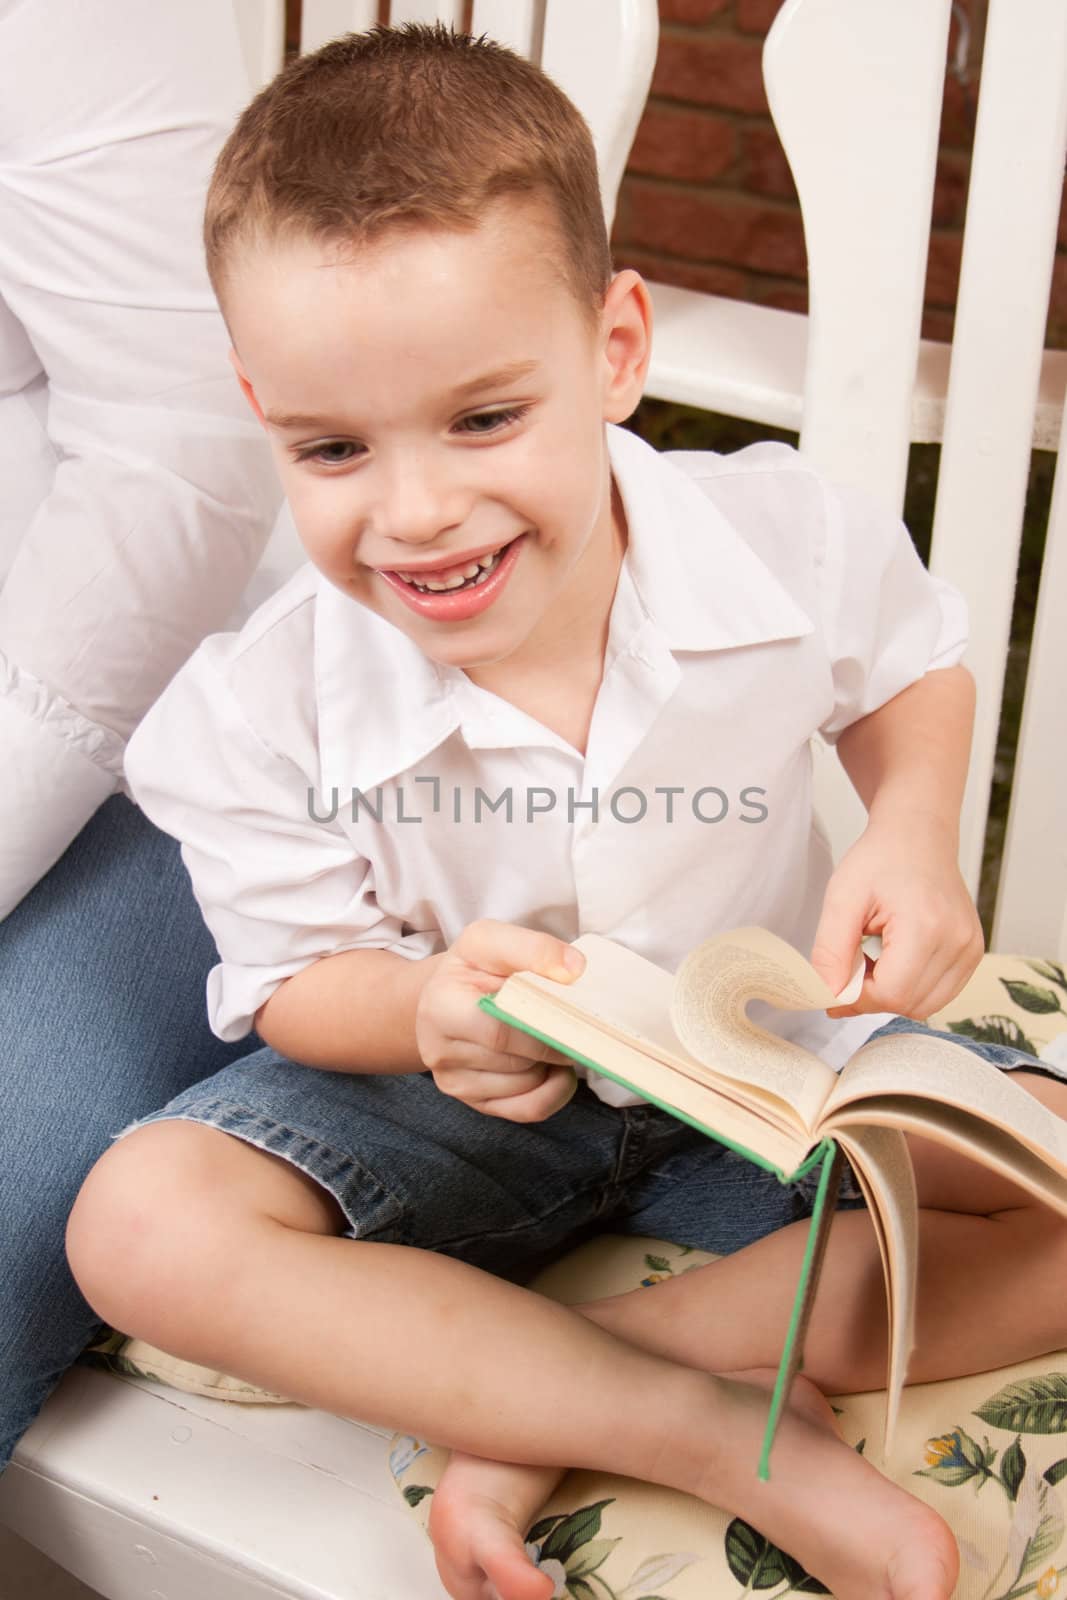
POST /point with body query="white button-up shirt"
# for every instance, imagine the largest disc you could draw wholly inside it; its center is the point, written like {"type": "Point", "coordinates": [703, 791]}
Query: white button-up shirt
{"type": "Point", "coordinates": [334, 789]}
{"type": "Point", "coordinates": [136, 491]}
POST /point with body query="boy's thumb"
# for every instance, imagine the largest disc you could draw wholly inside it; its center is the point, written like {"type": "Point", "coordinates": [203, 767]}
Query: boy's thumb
{"type": "Point", "coordinates": [564, 962]}
{"type": "Point", "coordinates": [835, 950]}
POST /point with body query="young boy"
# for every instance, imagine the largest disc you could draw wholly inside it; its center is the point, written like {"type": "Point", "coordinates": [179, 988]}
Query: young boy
{"type": "Point", "coordinates": [536, 681]}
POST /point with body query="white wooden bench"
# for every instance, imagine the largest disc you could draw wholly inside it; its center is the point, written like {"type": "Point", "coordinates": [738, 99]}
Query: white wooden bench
{"type": "Point", "coordinates": [153, 1494]}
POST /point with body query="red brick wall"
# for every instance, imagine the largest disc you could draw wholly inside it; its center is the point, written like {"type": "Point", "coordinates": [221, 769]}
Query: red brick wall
{"type": "Point", "coordinates": [708, 200]}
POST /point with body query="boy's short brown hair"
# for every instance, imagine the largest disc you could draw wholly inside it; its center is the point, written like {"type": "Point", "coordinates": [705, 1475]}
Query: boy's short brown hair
{"type": "Point", "coordinates": [401, 127]}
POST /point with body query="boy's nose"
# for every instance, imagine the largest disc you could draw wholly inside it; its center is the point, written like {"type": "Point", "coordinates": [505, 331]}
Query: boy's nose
{"type": "Point", "coordinates": [417, 503]}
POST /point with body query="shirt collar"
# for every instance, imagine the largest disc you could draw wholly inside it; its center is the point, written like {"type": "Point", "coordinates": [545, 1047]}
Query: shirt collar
{"type": "Point", "coordinates": [698, 579]}
{"type": "Point", "coordinates": [383, 706]}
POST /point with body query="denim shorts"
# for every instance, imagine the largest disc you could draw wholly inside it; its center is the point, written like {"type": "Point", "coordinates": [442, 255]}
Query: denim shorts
{"type": "Point", "coordinates": [409, 1165]}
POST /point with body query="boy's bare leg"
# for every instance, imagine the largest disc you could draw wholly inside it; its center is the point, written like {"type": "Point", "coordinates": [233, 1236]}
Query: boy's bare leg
{"type": "Point", "coordinates": [721, 1317]}
{"type": "Point", "coordinates": [226, 1256]}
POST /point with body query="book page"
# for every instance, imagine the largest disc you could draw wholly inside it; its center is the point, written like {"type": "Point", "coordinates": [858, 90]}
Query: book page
{"type": "Point", "coordinates": [880, 1159]}
{"type": "Point", "coordinates": [712, 987]}
{"type": "Point", "coordinates": [616, 1017]}
{"type": "Point", "coordinates": [962, 1131]}
{"type": "Point", "coordinates": [945, 1092]}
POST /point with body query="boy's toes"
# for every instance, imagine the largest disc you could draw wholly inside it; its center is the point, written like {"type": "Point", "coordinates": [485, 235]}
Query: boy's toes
{"type": "Point", "coordinates": [927, 1566]}
{"type": "Point", "coordinates": [481, 1555]}
{"type": "Point", "coordinates": [510, 1573]}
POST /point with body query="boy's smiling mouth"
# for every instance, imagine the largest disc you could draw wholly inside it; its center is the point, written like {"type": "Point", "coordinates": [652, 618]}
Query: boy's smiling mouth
{"type": "Point", "coordinates": [458, 591]}
{"type": "Point", "coordinates": [467, 572]}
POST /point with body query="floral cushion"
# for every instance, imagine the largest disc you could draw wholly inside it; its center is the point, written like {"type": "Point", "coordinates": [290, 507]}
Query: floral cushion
{"type": "Point", "coordinates": [1005, 1433]}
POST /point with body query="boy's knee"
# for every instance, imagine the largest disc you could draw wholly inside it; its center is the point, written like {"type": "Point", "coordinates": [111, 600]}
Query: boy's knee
{"type": "Point", "coordinates": [140, 1221]}
{"type": "Point", "coordinates": [161, 1215]}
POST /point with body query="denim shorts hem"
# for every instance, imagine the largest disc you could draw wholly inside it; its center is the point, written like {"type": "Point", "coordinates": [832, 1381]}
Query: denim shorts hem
{"type": "Point", "coordinates": [323, 1164]}
{"type": "Point", "coordinates": [1005, 1057]}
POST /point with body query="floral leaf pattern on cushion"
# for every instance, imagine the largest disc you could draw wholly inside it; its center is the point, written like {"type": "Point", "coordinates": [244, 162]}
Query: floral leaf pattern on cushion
{"type": "Point", "coordinates": [1035, 1405]}
{"type": "Point", "coordinates": [1032, 997]}
{"type": "Point", "coordinates": [1001, 1004]}
{"type": "Point", "coordinates": [994, 1030]}
{"type": "Point", "coordinates": [1039, 1405]}
{"type": "Point", "coordinates": [758, 1564]}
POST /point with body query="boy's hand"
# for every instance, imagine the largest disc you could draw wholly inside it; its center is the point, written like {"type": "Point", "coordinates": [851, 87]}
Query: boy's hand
{"type": "Point", "coordinates": [901, 881]}
{"type": "Point", "coordinates": [497, 1070]}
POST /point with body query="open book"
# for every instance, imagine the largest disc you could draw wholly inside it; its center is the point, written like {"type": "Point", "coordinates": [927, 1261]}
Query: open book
{"type": "Point", "coordinates": [686, 1044]}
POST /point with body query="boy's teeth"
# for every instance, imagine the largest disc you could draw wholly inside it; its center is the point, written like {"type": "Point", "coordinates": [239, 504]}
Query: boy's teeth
{"type": "Point", "coordinates": [474, 569]}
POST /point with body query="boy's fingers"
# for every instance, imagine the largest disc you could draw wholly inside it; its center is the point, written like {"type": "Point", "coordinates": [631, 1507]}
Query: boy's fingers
{"type": "Point", "coordinates": [559, 1087]}
{"type": "Point", "coordinates": [526, 1046]}
{"type": "Point", "coordinates": [835, 947]}
{"type": "Point", "coordinates": [834, 957]}
{"type": "Point", "coordinates": [501, 948]}
{"type": "Point", "coordinates": [557, 1058]}
{"type": "Point", "coordinates": [538, 1083]}
{"type": "Point", "coordinates": [461, 1021]}
{"type": "Point", "coordinates": [905, 973]}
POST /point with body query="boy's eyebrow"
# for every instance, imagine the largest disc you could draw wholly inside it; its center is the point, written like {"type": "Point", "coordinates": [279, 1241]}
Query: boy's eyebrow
{"type": "Point", "coordinates": [498, 379]}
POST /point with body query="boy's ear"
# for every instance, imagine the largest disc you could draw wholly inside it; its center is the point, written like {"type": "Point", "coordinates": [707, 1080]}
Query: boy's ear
{"type": "Point", "coordinates": [626, 323]}
{"type": "Point", "coordinates": [246, 385]}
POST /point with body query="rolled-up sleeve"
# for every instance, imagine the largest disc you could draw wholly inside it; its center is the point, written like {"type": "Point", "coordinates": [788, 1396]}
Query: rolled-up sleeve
{"type": "Point", "coordinates": [163, 494]}
{"type": "Point", "coordinates": [885, 619]}
{"type": "Point", "coordinates": [277, 888]}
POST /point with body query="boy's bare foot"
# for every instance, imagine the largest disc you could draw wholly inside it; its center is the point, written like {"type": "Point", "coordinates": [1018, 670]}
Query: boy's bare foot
{"type": "Point", "coordinates": [847, 1524]}
{"type": "Point", "coordinates": [477, 1517]}
{"type": "Point", "coordinates": [481, 1509]}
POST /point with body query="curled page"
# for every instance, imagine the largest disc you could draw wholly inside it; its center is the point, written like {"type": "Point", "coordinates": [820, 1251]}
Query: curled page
{"type": "Point", "coordinates": [711, 990]}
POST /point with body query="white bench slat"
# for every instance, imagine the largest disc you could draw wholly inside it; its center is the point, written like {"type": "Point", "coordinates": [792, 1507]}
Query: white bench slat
{"type": "Point", "coordinates": [261, 27]}
{"type": "Point", "coordinates": [872, 129]}
{"type": "Point", "coordinates": [448, 11]}
{"type": "Point", "coordinates": [253, 1501]}
{"type": "Point", "coordinates": [931, 392]}
{"type": "Point", "coordinates": [516, 23]}
{"type": "Point", "coordinates": [1009, 245]}
{"type": "Point", "coordinates": [748, 361]}
{"type": "Point", "coordinates": [728, 355]}
{"type": "Point", "coordinates": [602, 53]}
{"type": "Point", "coordinates": [863, 152]}
{"type": "Point", "coordinates": [1034, 866]}
{"type": "Point", "coordinates": [323, 20]}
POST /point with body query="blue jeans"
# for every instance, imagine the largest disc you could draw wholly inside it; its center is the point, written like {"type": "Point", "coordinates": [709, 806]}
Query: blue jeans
{"type": "Point", "coordinates": [408, 1165]}
{"type": "Point", "coordinates": [102, 1018]}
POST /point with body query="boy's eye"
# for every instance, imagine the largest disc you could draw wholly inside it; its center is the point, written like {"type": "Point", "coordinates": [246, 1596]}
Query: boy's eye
{"type": "Point", "coordinates": [334, 453]}
{"type": "Point", "coordinates": [490, 421]}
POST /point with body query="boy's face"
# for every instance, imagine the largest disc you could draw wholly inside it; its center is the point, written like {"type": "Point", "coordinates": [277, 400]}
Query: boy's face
{"type": "Point", "coordinates": [436, 407]}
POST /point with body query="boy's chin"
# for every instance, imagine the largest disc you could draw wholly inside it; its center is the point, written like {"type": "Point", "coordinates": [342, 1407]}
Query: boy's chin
{"type": "Point", "coordinates": [469, 655]}
{"type": "Point", "coordinates": [469, 660]}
